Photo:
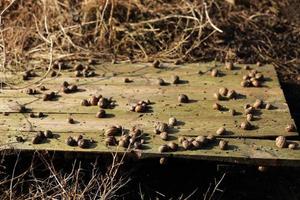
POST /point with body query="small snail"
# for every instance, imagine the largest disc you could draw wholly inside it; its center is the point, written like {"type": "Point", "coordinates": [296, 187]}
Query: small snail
{"type": "Point", "coordinates": [281, 142]}
{"type": "Point", "coordinates": [186, 144]}
{"type": "Point", "coordinates": [262, 168]}
{"type": "Point", "coordinates": [181, 139]}
{"type": "Point", "coordinates": [182, 98]}
{"type": "Point", "coordinates": [223, 91]}
{"type": "Point", "coordinates": [196, 144]}
{"type": "Point", "coordinates": [246, 125]}
{"type": "Point", "coordinates": [40, 114]}
{"type": "Point", "coordinates": [249, 110]}
{"type": "Point", "coordinates": [258, 64]}
{"type": "Point", "coordinates": [211, 138]}
{"type": "Point", "coordinates": [139, 108]}
{"type": "Point", "coordinates": [36, 139]}
{"type": "Point", "coordinates": [245, 83]}
{"type": "Point", "coordinates": [214, 73]}
{"type": "Point", "coordinates": [85, 102]}
{"type": "Point", "coordinates": [231, 94]}
{"type": "Point", "coordinates": [256, 83]}
{"type": "Point", "coordinates": [258, 103]}
{"type": "Point", "coordinates": [221, 131]}
{"type": "Point", "coordinates": [249, 117]}
{"type": "Point", "coordinates": [20, 139]}
{"type": "Point", "coordinates": [293, 146]}
{"type": "Point", "coordinates": [110, 141]}
{"type": "Point", "coordinates": [111, 131]}
{"type": "Point", "coordinates": [103, 102]}
{"type": "Point", "coordinates": [161, 127]}
{"type": "Point", "coordinates": [175, 79]}
{"type": "Point", "coordinates": [223, 144]}
{"type": "Point", "coordinates": [127, 80]}
{"type": "Point", "coordinates": [156, 64]}
{"type": "Point", "coordinates": [173, 146]}
{"type": "Point", "coordinates": [172, 121]}
{"type": "Point", "coordinates": [83, 143]}
{"type": "Point", "coordinates": [164, 135]}
{"type": "Point", "coordinates": [246, 77]}
{"type": "Point", "coordinates": [161, 82]}
{"type": "Point", "coordinates": [101, 113]}
{"type": "Point", "coordinates": [137, 145]}
{"type": "Point", "coordinates": [43, 88]}
{"type": "Point", "coordinates": [135, 132]}
{"type": "Point", "coordinates": [163, 148]}
{"type": "Point", "coordinates": [268, 106]}
{"type": "Point", "coordinates": [77, 73]}
{"type": "Point", "coordinates": [229, 65]}
{"type": "Point", "coordinates": [217, 106]}
{"type": "Point", "coordinates": [32, 115]}
{"type": "Point", "coordinates": [259, 76]}
{"type": "Point", "coordinates": [70, 141]}
{"type": "Point", "coordinates": [78, 67]}
{"type": "Point", "coordinates": [77, 138]}
{"type": "Point", "coordinates": [123, 143]}
{"type": "Point", "coordinates": [94, 100]}
{"type": "Point", "coordinates": [65, 84]}
{"type": "Point", "coordinates": [217, 96]}
{"type": "Point", "coordinates": [71, 120]}
{"type": "Point", "coordinates": [48, 134]}
{"type": "Point", "coordinates": [290, 128]}
{"type": "Point", "coordinates": [246, 67]}
{"type": "Point", "coordinates": [201, 139]}
{"type": "Point", "coordinates": [232, 112]}
{"type": "Point", "coordinates": [163, 161]}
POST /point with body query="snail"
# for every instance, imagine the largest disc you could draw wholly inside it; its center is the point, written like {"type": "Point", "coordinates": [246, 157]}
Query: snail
{"type": "Point", "coordinates": [43, 88]}
{"type": "Point", "coordinates": [83, 143]}
{"type": "Point", "coordinates": [70, 141]}
{"type": "Point", "coordinates": [281, 142]}
{"type": "Point", "coordinates": [196, 144]}
{"type": "Point", "coordinates": [211, 138]}
{"type": "Point", "coordinates": [40, 114]}
{"type": "Point", "coordinates": [53, 73]}
{"type": "Point", "coordinates": [201, 139]}
{"type": "Point", "coordinates": [246, 67]}
{"type": "Point", "coordinates": [70, 120]}
{"type": "Point", "coordinates": [214, 73]}
{"type": "Point", "coordinates": [111, 131]}
{"type": "Point", "coordinates": [78, 67]}
{"type": "Point", "coordinates": [259, 76]}
{"type": "Point", "coordinates": [217, 96]}
{"type": "Point", "coordinates": [256, 83]}
{"type": "Point", "coordinates": [246, 77]}
{"type": "Point", "coordinates": [101, 113]}
{"type": "Point", "coordinates": [123, 143]}
{"type": "Point", "coordinates": [156, 64]}
{"type": "Point", "coordinates": [268, 106]}
{"type": "Point", "coordinates": [172, 121]}
{"type": "Point", "coordinates": [245, 83]}
{"type": "Point", "coordinates": [231, 94]}
{"type": "Point", "coordinates": [164, 135]}
{"type": "Point", "coordinates": [175, 79]}
{"type": "Point", "coordinates": [32, 115]}
{"type": "Point", "coordinates": [127, 80]}
{"type": "Point", "coordinates": [217, 106]}
{"type": "Point", "coordinates": [223, 91]}
{"type": "Point", "coordinates": [30, 91]}
{"type": "Point", "coordinates": [73, 88]}
{"type": "Point", "coordinates": [78, 73]}
{"type": "Point", "coordinates": [246, 125]}
{"type": "Point", "coordinates": [103, 102]}
{"type": "Point", "coordinates": [161, 82]}
{"type": "Point", "coordinates": [139, 108]}
{"type": "Point", "coordinates": [173, 146]}
{"type": "Point", "coordinates": [182, 98]}
{"type": "Point", "coordinates": [77, 138]}
{"type": "Point", "coordinates": [186, 144]}
{"type": "Point", "coordinates": [223, 145]}
{"type": "Point", "coordinates": [161, 127]}
{"type": "Point", "coordinates": [65, 84]}
{"type": "Point", "coordinates": [249, 110]}
{"type": "Point", "coordinates": [232, 112]}
{"type": "Point", "coordinates": [163, 148]}
{"type": "Point", "coordinates": [48, 134]}
{"type": "Point", "coordinates": [94, 100]}
{"type": "Point", "coordinates": [137, 145]}
{"type": "Point", "coordinates": [110, 141]}
{"type": "Point", "coordinates": [163, 161]}
{"type": "Point", "coordinates": [36, 139]}
{"type": "Point", "coordinates": [221, 131]}
{"type": "Point", "coordinates": [293, 146]}
{"type": "Point", "coordinates": [91, 61]}
{"type": "Point", "coordinates": [258, 64]}
{"type": "Point", "coordinates": [249, 117]}
{"type": "Point", "coordinates": [229, 65]}
{"type": "Point", "coordinates": [290, 128]}
{"type": "Point", "coordinates": [85, 102]}
{"type": "Point", "coordinates": [135, 132]}
{"type": "Point", "coordinates": [181, 139]}
{"type": "Point", "coordinates": [258, 103]}
{"type": "Point", "coordinates": [262, 168]}
{"type": "Point", "coordinates": [20, 139]}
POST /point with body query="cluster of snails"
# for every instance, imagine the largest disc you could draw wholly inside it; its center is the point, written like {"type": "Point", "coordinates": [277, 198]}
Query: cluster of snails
{"type": "Point", "coordinates": [281, 142]}
{"type": "Point", "coordinates": [49, 96]}
{"type": "Point", "coordinates": [78, 141]}
{"type": "Point", "coordinates": [99, 100]}
{"type": "Point", "coordinates": [67, 88]}
{"type": "Point", "coordinates": [84, 71]}
{"type": "Point", "coordinates": [174, 80]}
{"type": "Point", "coordinates": [162, 128]}
{"type": "Point", "coordinates": [141, 106]}
{"type": "Point", "coordinates": [225, 94]}
{"type": "Point", "coordinates": [41, 136]}
{"type": "Point", "coordinates": [28, 74]}
{"type": "Point", "coordinates": [39, 115]}
{"type": "Point", "coordinates": [253, 79]}
{"type": "Point", "coordinates": [132, 139]}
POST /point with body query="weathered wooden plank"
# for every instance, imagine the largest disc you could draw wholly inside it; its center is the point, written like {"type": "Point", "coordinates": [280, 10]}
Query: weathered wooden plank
{"type": "Point", "coordinates": [248, 151]}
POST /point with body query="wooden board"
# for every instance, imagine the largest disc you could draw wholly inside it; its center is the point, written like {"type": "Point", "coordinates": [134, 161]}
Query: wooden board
{"type": "Point", "coordinates": [196, 118]}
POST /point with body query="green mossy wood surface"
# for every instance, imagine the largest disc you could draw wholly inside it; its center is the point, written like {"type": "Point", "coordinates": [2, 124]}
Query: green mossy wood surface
{"type": "Point", "coordinates": [195, 118]}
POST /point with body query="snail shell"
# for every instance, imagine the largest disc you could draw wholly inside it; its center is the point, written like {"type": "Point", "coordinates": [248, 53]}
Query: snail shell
{"type": "Point", "coordinates": [173, 146]}
{"type": "Point", "coordinates": [20, 139]}
{"type": "Point", "coordinates": [77, 138]}
{"type": "Point", "coordinates": [249, 117]}
{"type": "Point", "coordinates": [94, 100]}
{"type": "Point", "coordinates": [101, 113]}
{"type": "Point", "coordinates": [85, 102]}
{"type": "Point", "coordinates": [221, 131]}
{"type": "Point", "coordinates": [172, 121]}
{"type": "Point", "coordinates": [127, 80]}
{"type": "Point", "coordinates": [293, 146]}
{"type": "Point", "coordinates": [256, 83]}
{"type": "Point", "coordinates": [83, 143]}
{"type": "Point", "coordinates": [175, 79]}
{"type": "Point", "coordinates": [246, 77]}
{"type": "Point", "coordinates": [71, 120]}
{"type": "Point", "coordinates": [163, 148]}
{"type": "Point", "coordinates": [223, 91]}
{"type": "Point", "coordinates": [223, 144]}
{"type": "Point", "coordinates": [36, 139]}
{"type": "Point", "coordinates": [229, 65]}
{"type": "Point", "coordinates": [70, 141]}
{"type": "Point", "coordinates": [32, 115]}
{"type": "Point", "coordinates": [123, 143]}
{"type": "Point", "coordinates": [65, 84]}
{"type": "Point", "coordinates": [196, 144]}
{"type": "Point", "coordinates": [246, 67]}
{"type": "Point", "coordinates": [211, 138]}
{"type": "Point", "coordinates": [217, 96]}
{"type": "Point", "coordinates": [290, 128]}
{"type": "Point", "coordinates": [186, 144]}
{"type": "Point", "coordinates": [246, 125]}
{"type": "Point", "coordinates": [135, 132]}
{"type": "Point", "coordinates": [78, 73]}
{"type": "Point", "coordinates": [258, 103]}
{"type": "Point", "coordinates": [48, 134]}
{"type": "Point", "coordinates": [161, 127]}
{"type": "Point", "coordinates": [161, 82]}
{"type": "Point", "coordinates": [281, 142]}
{"type": "Point", "coordinates": [214, 73]}
{"type": "Point", "coordinates": [201, 139]}
{"type": "Point", "coordinates": [268, 106]}
{"type": "Point", "coordinates": [103, 102]}
{"type": "Point", "coordinates": [139, 108]}
{"type": "Point", "coordinates": [232, 112]}
{"type": "Point", "coordinates": [231, 94]}
{"type": "Point", "coordinates": [78, 67]}
{"type": "Point", "coordinates": [110, 141]}
{"type": "Point", "coordinates": [245, 83]}
{"type": "Point", "coordinates": [156, 64]}
{"type": "Point", "coordinates": [164, 135]}
{"type": "Point", "coordinates": [73, 88]}
{"type": "Point", "coordinates": [111, 131]}
{"type": "Point", "coordinates": [163, 161]}
{"type": "Point", "coordinates": [217, 106]}
{"type": "Point", "coordinates": [259, 76]}
{"type": "Point", "coordinates": [181, 139]}
{"type": "Point", "coordinates": [182, 98]}
{"type": "Point", "coordinates": [262, 168]}
{"type": "Point", "coordinates": [249, 110]}
{"type": "Point", "coordinates": [40, 114]}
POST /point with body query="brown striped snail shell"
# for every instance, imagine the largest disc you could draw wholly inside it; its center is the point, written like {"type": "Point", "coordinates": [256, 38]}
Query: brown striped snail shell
{"type": "Point", "coordinates": [186, 144]}
{"type": "Point", "coordinates": [101, 113]}
{"type": "Point", "coordinates": [139, 108]}
{"type": "Point", "coordinates": [229, 65]}
{"type": "Point", "coordinates": [70, 141]}
{"type": "Point", "coordinates": [221, 131]}
{"type": "Point", "coordinates": [231, 94]}
{"type": "Point", "coordinates": [111, 131]}
{"type": "Point", "coordinates": [223, 91]}
{"type": "Point", "coordinates": [290, 128]}
{"type": "Point", "coordinates": [77, 137]}
{"type": "Point", "coordinates": [256, 83]}
{"type": "Point", "coordinates": [217, 106]}
{"type": "Point", "coordinates": [223, 145]}
{"type": "Point", "coordinates": [245, 83]}
{"type": "Point", "coordinates": [110, 141]}
{"type": "Point", "coordinates": [48, 134]}
{"type": "Point", "coordinates": [36, 139]}
{"type": "Point", "coordinates": [161, 127]}
{"type": "Point", "coordinates": [173, 146]}
{"type": "Point", "coordinates": [268, 106]}
{"type": "Point", "coordinates": [175, 79]}
{"type": "Point", "coordinates": [281, 142]}
{"type": "Point", "coordinates": [196, 144]}
{"type": "Point", "coordinates": [123, 143]}
{"type": "Point", "coordinates": [201, 139]}
{"type": "Point", "coordinates": [211, 138]}
{"type": "Point", "coordinates": [246, 125]}
{"type": "Point", "coordinates": [163, 148]}
{"type": "Point", "coordinates": [172, 121]}
{"type": "Point", "coordinates": [258, 103]}
{"type": "Point", "coordinates": [249, 117]}
{"type": "Point", "coordinates": [164, 135]}
{"type": "Point", "coordinates": [156, 64]}
{"type": "Point", "coordinates": [83, 143]}
{"type": "Point", "coordinates": [85, 102]}
{"type": "Point", "coordinates": [232, 112]}
{"type": "Point", "coordinates": [214, 73]}
{"type": "Point", "coordinates": [161, 82]}
{"type": "Point", "coordinates": [94, 100]}
{"type": "Point", "coordinates": [182, 98]}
